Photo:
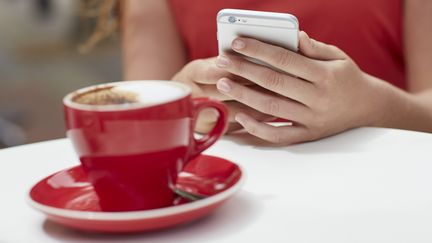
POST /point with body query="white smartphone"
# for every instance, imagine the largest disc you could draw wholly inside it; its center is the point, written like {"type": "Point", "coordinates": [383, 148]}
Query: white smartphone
{"type": "Point", "coordinates": [279, 29]}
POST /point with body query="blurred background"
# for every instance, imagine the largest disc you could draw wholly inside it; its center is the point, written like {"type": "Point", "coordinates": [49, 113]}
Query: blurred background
{"type": "Point", "coordinates": [40, 63]}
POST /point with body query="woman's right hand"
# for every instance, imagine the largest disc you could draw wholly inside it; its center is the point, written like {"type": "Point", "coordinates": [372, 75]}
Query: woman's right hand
{"type": "Point", "coordinates": [202, 75]}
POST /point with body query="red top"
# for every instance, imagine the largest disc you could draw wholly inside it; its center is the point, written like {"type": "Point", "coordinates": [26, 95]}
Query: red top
{"type": "Point", "coordinates": [369, 31]}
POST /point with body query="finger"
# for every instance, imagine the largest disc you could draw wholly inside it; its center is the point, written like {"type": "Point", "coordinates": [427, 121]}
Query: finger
{"type": "Point", "coordinates": [206, 120]}
{"type": "Point", "coordinates": [196, 90]}
{"type": "Point", "coordinates": [278, 135]}
{"type": "Point", "coordinates": [210, 90]}
{"type": "Point", "coordinates": [286, 85]}
{"type": "Point", "coordinates": [204, 71]}
{"type": "Point", "coordinates": [208, 117]}
{"type": "Point", "coordinates": [233, 127]}
{"type": "Point", "coordinates": [270, 104]}
{"type": "Point", "coordinates": [235, 107]}
{"type": "Point", "coordinates": [280, 58]}
{"type": "Point", "coordinates": [318, 50]}
{"type": "Point", "coordinates": [206, 128]}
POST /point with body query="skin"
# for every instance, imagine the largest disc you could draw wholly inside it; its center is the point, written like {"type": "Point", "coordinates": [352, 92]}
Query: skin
{"type": "Point", "coordinates": [325, 94]}
{"type": "Point", "coordinates": [319, 97]}
{"type": "Point", "coordinates": [202, 75]}
{"type": "Point", "coordinates": [148, 27]}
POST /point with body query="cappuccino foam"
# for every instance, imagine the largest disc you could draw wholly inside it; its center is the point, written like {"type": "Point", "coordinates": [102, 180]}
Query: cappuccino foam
{"type": "Point", "coordinates": [106, 96]}
{"type": "Point", "coordinates": [132, 92]}
{"type": "Point", "coordinates": [149, 92]}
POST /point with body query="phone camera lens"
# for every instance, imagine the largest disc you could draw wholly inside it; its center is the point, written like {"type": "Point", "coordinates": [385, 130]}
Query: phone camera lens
{"type": "Point", "coordinates": [232, 19]}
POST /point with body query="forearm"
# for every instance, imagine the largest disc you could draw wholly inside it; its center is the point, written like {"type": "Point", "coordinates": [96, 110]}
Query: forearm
{"type": "Point", "coordinates": [403, 110]}
{"type": "Point", "coordinates": [424, 99]}
{"type": "Point", "coordinates": [152, 48]}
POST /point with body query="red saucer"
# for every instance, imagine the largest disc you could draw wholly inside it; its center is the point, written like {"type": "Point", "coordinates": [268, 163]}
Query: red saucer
{"type": "Point", "coordinates": [67, 198]}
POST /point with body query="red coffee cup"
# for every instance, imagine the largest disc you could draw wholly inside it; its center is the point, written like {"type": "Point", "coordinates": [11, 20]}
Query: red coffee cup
{"type": "Point", "coordinates": [133, 152]}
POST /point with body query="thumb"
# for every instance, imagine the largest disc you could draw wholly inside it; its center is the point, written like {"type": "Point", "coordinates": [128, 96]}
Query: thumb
{"type": "Point", "coordinates": [318, 50]}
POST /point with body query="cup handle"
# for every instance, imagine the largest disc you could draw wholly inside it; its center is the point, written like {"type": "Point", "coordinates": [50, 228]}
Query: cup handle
{"type": "Point", "coordinates": [199, 145]}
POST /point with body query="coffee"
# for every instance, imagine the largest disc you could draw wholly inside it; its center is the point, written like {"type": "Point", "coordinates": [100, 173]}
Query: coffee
{"type": "Point", "coordinates": [132, 153]}
{"type": "Point", "coordinates": [106, 96]}
{"type": "Point", "coordinates": [144, 93]}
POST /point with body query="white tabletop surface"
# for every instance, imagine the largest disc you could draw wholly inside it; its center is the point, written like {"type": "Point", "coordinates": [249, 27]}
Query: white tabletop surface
{"type": "Point", "coordinates": [365, 185]}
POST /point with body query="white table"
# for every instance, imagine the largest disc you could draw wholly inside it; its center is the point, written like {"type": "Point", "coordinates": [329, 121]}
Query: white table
{"type": "Point", "coordinates": [366, 185]}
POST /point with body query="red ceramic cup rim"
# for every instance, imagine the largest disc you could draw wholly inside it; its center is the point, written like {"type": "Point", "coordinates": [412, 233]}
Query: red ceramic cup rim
{"type": "Point", "coordinates": [67, 100]}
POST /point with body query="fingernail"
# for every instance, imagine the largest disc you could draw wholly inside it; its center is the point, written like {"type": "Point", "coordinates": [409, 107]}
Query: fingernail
{"type": "Point", "coordinates": [223, 85]}
{"type": "Point", "coordinates": [238, 44]}
{"type": "Point", "coordinates": [222, 62]}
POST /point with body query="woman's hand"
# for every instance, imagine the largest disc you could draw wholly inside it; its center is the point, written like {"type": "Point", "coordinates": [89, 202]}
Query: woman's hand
{"type": "Point", "coordinates": [321, 90]}
{"type": "Point", "coordinates": [201, 75]}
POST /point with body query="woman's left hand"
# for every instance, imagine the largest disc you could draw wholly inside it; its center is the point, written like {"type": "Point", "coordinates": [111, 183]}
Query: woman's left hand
{"type": "Point", "coordinates": [322, 91]}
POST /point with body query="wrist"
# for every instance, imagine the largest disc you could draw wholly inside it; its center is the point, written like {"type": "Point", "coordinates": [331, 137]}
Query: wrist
{"type": "Point", "coordinates": [388, 104]}
{"type": "Point", "coordinates": [399, 109]}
